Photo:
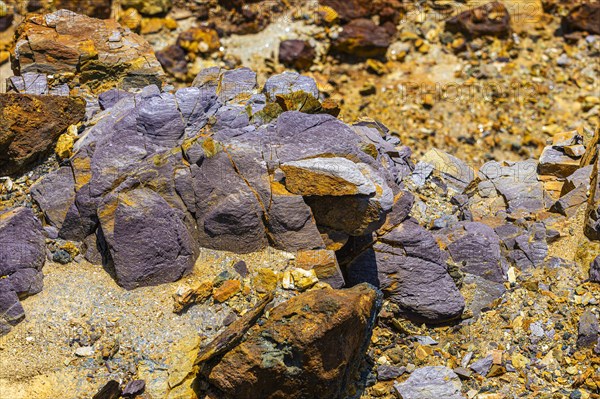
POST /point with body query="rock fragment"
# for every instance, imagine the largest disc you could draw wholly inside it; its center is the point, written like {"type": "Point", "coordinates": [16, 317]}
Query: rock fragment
{"type": "Point", "coordinates": [363, 38]}
{"type": "Point", "coordinates": [491, 19]}
{"type": "Point", "coordinates": [595, 270]}
{"type": "Point", "coordinates": [588, 329]}
{"type": "Point", "coordinates": [297, 54]}
{"type": "Point", "coordinates": [430, 382]}
{"type": "Point", "coordinates": [583, 17]}
{"type": "Point", "coordinates": [289, 354]}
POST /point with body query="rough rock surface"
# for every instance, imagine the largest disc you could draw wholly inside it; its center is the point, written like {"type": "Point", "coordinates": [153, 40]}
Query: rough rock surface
{"type": "Point", "coordinates": [30, 126]}
{"type": "Point", "coordinates": [64, 42]}
{"type": "Point", "coordinates": [362, 38]}
{"type": "Point", "coordinates": [431, 383]}
{"type": "Point", "coordinates": [583, 17]}
{"type": "Point", "coordinates": [22, 256]}
{"type": "Point", "coordinates": [490, 19]}
{"type": "Point", "coordinates": [289, 355]}
{"type": "Point", "coordinates": [297, 54]}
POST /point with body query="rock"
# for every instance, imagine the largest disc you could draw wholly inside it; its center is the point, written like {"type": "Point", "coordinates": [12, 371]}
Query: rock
{"type": "Point", "coordinates": [387, 373]}
{"type": "Point", "coordinates": [516, 182]}
{"type": "Point", "coordinates": [326, 176]}
{"type": "Point", "coordinates": [99, 52]}
{"type": "Point", "coordinates": [476, 247]}
{"type": "Point", "coordinates": [146, 240]}
{"type": "Point", "coordinates": [595, 270]}
{"type": "Point", "coordinates": [408, 266]}
{"type": "Point", "coordinates": [91, 8]}
{"type": "Point", "coordinates": [134, 388]}
{"type": "Point", "coordinates": [185, 295]}
{"type": "Point", "coordinates": [288, 83]}
{"type": "Point", "coordinates": [491, 19]}
{"type": "Point", "coordinates": [456, 172]}
{"type": "Point", "coordinates": [324, 263]}
{"type": "Point", "coordinates": [111, 390]}
{"type": "Point", "coordinates": [583, 17]}
{"type": "Point", "coordinates": [297, 54]}
{"type": "Point", "coordinates": [581, 177]}
{"type": "Point", "coordinates": [200, 40]}
{"type": "Point", "coordinates": [55, 194]}
{"type": "Point", "coordinates": [148, 7]}
{"type": "Point", "coordinates": [6, 16]}
{"type": "Point", "coordinates": [569, 203]}
{"type": "Point", "coordinates": [295, 341]}
{"type": "Point", "coordinates": [226, 290]}
{"type": "Point", "coordinates": [592, 222]}
{"type": "Point", "coordinates": [589, 329]}
{"type": "Point", "coordinates": [84, 351]}
{"type": "Point", "coordinates": [462, 373]}
{"type": "Point", "coordinates": [30, 126]}
{"type": "Point", "coordinates": [556, 163]}
{"type": "Point", "coordinates": [173, 59]}
{"type": "Point", "coordinates": [362, 38]}
{"type": "Point", "coordinates": [429, 383]}
{"type": "Point", "coordinates": [483, 365]}
{"type": "Point", "coordinates": [28, 83]}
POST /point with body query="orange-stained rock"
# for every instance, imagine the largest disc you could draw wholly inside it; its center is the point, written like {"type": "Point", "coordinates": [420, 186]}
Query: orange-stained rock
{"type": "Point", "coordinates": [309, 347]}
{"type": "Point", "coordinates": [30, 125]}
{"type": "Point", "coordinates": [324, 263]}
{"type": "Point", "coordinates": [228, 289]}
{"type": "Point", "coordinates": [101, 53]}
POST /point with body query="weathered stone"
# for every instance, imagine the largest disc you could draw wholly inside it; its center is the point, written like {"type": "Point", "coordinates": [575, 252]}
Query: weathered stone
{"type": "Point", "coordinates": [7, 16]}
{"type": "Point", "coordinates": [583, 17]}
{"type": "Point", "coordinates": [324, 263]}
{"type": "Point", "coordinates": [555, 162]}
{"type": "Point", "coordinates": [28, 83]}
{"type": "Point", "coordinates": [201, 40]}
{"type": "Point", "coordinates": [23, 243]}
{"type": "Point", "coordinates": [592, 222]}
{"type": "Point", "coordinates": [288, 83]}
{"type": "Point", "coordinates": [185, 295]}
{"type": "Point", "coordinates": [387, 373]}
{"type": "Point", "coordinates": [30, 126]}
{"type": "Point", "coordinates": [409, 268]}
{"type": "Point", "coordinates": [295, 341]}
{"type": "Point", "coordinates": [588, 329]}
{"type": "Point", "coordinates": [226, 290]}
{"type": "Point", "coordinates": [455, 171]}
{"type": "Point", "coordinates": [491, 19]}
{"type": "Point", "coordinates": [483, 365]}
{"type": "Point", "coordinates": [173, 60]}
{"type": "Point", "coordinates": [55, 194]}
{"type": "Point", "coordinates": [429, 383]}
{"type": "Point", "coordinates": [100, 52]}
{"type": "Point", "coordinates": [326, 176]}
{"type": "Point", "coordinates": [134, 387]}
{"type": "Point", "coordinates": [569, 203]}
{"type": "Point", "coordinates": [362, 38]}
{"type": "Point", "coordinates": [297, 54]}
{"type": "Point", "coordinates": [477, 248]}
{"type": "Point", "coordinates": [147, 241]}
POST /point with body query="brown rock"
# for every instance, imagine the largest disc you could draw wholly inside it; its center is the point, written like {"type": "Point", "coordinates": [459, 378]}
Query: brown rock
{"type": "Point", "coordinates": [324, 263]}
{"type": "Point", "coordinates": [173, 59]}
{"type": "Point", "coordinates": [6, 16]}
{"type": "Point", "coordinates": [185, 295]}
{"type": "Point", "coordinates": [297, 54]}
{"type": "Point", "coordinates": [491, 19]}
{"type": "Point", "coordinates": [199, 40]}
{"type": "Point", "coordinates": [30, 126]}
{"type": "Point", "coordinates": [309, 347]}
{"type": "Point", "coordinates": [228, 289]}
{"type": "Point", "coordinates": [584, 17]}
{"type": "Point", "coordinates": [100, 52]}
{"type": "Point", "coordinates": [362, 38]}
{"type": "Point", "coordinates": [387, 10]}
{"type": "Point", "coordinates": [91, 8]}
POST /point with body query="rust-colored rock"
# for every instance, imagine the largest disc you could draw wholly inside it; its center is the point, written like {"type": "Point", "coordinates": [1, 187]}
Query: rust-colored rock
{"type": "Point", "coordinates": [200, 40]}
{"type": "Point", "coordinates": [491, 19]}
{"type": "Point", "coordinates": [309, 347]}
{"type": "Point", "coordinates": [30, 126]}
{"type": "Point", "coordinates": [362, 38]}
{"type": "Point", "coordinates": [226, 290]}
{"type": "Point", "coordinates": [324, 263]}
{"type": "Point", "coordinates": [297, 54]}
{"type": "Point", "coordinates": [100, 53]}
{"type": "Point", "coordinates": [584, 17]}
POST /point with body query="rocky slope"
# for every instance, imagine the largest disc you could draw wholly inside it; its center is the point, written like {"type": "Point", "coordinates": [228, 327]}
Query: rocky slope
{"type": "Point", "coordinates": [221, 232]}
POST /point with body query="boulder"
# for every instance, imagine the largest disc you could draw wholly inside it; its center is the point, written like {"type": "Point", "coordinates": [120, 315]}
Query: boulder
{"type": "Point", "coordinates": [22, 256]}
{"type": "Point", "coordinates": [146, 240]}
{"type": "Point", "coordinates": [289, 354]}
{"type": "Point", "coordinates": [101, 53]}
{"type": "Point", "coordinates": [429, 383]}
{"type": "Point", "coordinates": [409, 267]}
{"type": "Point", "coordinates": [30, 126]}
{"type": "Point", "coordinates": [491, 19]}
{"type": "Point", "coordinates": [583, 17]}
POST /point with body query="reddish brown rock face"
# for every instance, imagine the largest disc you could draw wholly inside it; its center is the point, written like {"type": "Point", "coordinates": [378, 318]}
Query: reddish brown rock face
{"type": "Point", "coordinates": [584, 17]}
{"type": "Point", "coordinates": [310, 347]}
{"type": "Point", "coordinates": [362, 38]}
{"type": "Point", "coordinates": [30, 126]}
{"type": "Point", "coordinates": [101, 52]}
{"type": "Point", "coordinates": [491, 19]}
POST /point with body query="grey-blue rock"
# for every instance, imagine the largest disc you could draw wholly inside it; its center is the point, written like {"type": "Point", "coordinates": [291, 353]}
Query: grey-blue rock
{"type": "Point", "coordinates": [430, 383]}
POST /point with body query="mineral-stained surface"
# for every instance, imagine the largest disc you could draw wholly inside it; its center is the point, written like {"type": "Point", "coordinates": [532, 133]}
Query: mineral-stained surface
{"type": "Point", "coordinates": [30, 126]}
{"type": "Point", "coordinates": [98, 53]}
